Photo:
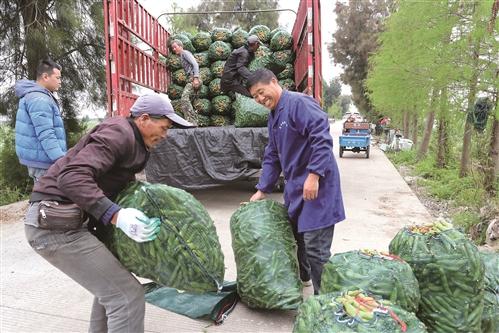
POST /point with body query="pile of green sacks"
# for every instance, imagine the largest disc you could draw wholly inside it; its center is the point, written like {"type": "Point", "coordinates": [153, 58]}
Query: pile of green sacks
{"type": "Point", "coordinates": [211, 50]}
{"type": "Point", "coordinates": [186, 254]}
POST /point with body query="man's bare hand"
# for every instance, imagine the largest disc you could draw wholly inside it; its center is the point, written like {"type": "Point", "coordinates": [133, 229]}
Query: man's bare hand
{"type": "Point", "coordinates": [259, 195]}
{"type": "Point", "coordinates": [311, 187]}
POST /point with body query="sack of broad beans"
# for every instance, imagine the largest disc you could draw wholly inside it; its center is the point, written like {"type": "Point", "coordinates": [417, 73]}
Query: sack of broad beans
{"type": "Point", "coordinates": [220, 105]}
{"type": "Point", "coordinates": [450, 274]}
{"type": "Point", "coordinates": [221, 34]}
{"type": "Point", "coordinates": [281, 40]}
{"type": "Point", "coordinates": [175, 91]}
{"type": "Point", "coordinates": [186, 254]}
{"type": "Point", "coordinates": [239, 38]}
{"type": "Point", "coordinates": [202, 106]}
{"type": "Point", "coordinates": [265, 253]}
{"type": "Point", "coordinates": [490, 317]}
{"type": "Point", "coordinates": [219, 50]}
{"type": "Point", "coordinates": [378, 273]}
{"type": "Point", "coordinates": [201, 41]}
{"type": "Point", "coordinates": [217, 68]}
{"type": "Point", "coordinates": [219, 120]}
{"type": "Point", "coordinates": [262, 31]}
{"type": "Point", "coordinates": [287, 73]}
{"type": "Point", "coordinates": [262, 59]}
{"type": "Point", "coordinates": [202, 58]}
{"type": "Point", "coordinates": [354, 311]}
{"type": "Point", "coordinates": [173, 62]}
{"type": "Point", "coordinates": [248, 113]}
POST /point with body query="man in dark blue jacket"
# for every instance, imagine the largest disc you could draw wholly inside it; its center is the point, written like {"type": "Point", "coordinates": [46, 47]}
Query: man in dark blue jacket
{"type": "Point", "coordinates": [300, 146]}
{"type": "Point", "coordinates": [40, 135]}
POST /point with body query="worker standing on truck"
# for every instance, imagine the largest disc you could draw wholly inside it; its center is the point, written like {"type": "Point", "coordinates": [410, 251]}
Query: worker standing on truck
{"type": "Point", "coordinates": [191, 89]}
{"type": "Point", "coordinates": [75, 198]}
{"type": "Point", "coordinates": [300, 146]}
{"type": "Point", "coordinates": [235, 70]}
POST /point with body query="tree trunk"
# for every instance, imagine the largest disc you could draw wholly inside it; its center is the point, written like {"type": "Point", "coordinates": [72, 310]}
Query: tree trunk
{"type": "Point", "coordinates": [465, 165]}
{"type": "Point", "coordinates": [34, 15]}
{"type": "Point", "coordinates": [406, 124]}
{"type": "Point", "coordinates": [443, 132]}
{"type": "Point", "coordinates": [414, 133]}
{"type": "Point", "coordinates": [492, 169]}
{"type": "Point", "coordinates": [430, 118]}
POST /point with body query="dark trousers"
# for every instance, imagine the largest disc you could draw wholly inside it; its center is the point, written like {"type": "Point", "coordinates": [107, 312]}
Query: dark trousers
{"type": "Point", "coordinates": [234, 86]}
{"type": "Point", "coordinates": [314, 250]}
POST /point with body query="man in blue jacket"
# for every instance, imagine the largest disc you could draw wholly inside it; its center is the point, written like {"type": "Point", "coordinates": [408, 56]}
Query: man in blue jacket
{"type": "Point", "coordinates": [40, 135]}
{"type": "Point", "coordinates": [300, 146]}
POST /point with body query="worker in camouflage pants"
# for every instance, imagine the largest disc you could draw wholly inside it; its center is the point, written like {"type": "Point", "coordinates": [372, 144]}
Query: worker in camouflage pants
{"type": "Point", "coordinates": [191, 89]}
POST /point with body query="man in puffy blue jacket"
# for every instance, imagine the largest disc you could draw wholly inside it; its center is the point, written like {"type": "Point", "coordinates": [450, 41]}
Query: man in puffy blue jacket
{"type": "Point", "coordinates": [40, 135]}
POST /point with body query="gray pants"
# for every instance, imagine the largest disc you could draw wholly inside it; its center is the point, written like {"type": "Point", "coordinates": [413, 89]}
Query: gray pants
{"type": "Point", "coordinates": [36, 173]}
{"type": "Point", "coordinates": [119, 304]}
{"type": "Point", "coordinates": [314, 250]}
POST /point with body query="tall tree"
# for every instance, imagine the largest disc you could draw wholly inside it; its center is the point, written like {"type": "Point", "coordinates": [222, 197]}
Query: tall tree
{"type": "Point", "coordinates": [246, 21]}
{"type": "Point", "coordinates": [68, 31]}
{"type": "Point", "coordinates": [331, 92]}
{"type": "Point", "coordinates": [359, 25]}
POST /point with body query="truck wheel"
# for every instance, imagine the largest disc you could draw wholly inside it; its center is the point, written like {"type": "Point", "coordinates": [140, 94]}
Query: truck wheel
{"type": "Point", "coordinates": [341, 151]}
{"type": "Point", "coordinates": [367, 151]}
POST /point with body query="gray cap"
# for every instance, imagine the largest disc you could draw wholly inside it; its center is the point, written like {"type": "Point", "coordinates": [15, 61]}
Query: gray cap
{"type": "Point", "coordinates": [253, 39]}
{"type": "Point", "coordinates": [155, 105]}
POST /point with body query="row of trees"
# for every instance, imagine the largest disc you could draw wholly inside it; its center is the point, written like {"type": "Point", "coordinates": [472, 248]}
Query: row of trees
{"type": "Point", "coordinates": [424, 64]}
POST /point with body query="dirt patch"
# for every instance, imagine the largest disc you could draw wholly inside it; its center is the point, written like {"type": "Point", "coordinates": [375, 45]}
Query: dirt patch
{"type": "Point", "coordinates": [13, 212]}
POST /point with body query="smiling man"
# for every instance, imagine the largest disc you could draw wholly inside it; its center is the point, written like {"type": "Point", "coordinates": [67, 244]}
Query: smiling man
{"type": "Point", "coordinates": [75, 198]}
{"type": "Point", "coordinates": [300, 146]}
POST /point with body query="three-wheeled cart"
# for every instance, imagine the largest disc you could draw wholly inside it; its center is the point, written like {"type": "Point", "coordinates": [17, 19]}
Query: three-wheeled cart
{"type": "Point", "coordinates": [356, 137]}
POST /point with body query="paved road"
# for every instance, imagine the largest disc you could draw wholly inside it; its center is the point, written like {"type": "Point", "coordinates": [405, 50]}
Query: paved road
{"type": "Point", "coordinates": [35, 297]}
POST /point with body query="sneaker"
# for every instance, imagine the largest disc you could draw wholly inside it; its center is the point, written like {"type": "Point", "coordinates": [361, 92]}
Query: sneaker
{"type": "Point", "coordinates": [307, 283]}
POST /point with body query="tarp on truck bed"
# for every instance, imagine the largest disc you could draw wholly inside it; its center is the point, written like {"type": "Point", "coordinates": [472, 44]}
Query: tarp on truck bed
{"type": "Point", "coordinates": [204, 157]}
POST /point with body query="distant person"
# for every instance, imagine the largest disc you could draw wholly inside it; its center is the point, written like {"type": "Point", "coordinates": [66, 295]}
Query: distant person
{"type": "Point", "coordinates": [350, 119]}
{"type": "Point", "coordinates": [191, 89]}
{"type": "Point", "coordinates": [235, 69]}
{"type": "Point", "coordinates": [40, 135]}
{"type": "Point", "coordinates": [76, 198]}
{"type": "Point", "coordinates": [301, 147]}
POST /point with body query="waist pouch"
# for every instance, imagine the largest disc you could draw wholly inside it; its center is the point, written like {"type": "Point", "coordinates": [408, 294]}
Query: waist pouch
{"type": "Point", "coordinates": [55, 215]}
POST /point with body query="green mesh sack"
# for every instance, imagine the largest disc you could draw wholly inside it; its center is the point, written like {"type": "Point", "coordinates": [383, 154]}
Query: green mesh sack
{"type": "Point", "coordinates": [265, 253]}
{"type": "Point", "coordinates": [186, 254]}
{"type": "Point", "coordinates": [214, 87]}
{"type": "Point", "coordinates": [276, 30]}
{"type": "Point", "coordinates": [204, 121]}
{"type": "Point", "coordinates": [186, 41]}
{"type": "Point", "coordinates": [205, 74]}
{"type": "Point", "coordinates": [249, 113]}
{"type": "Point", "coordinates": [201, 41]}
{"type": "Point", "coordinates": [490, 317]}
{"type": "Point", "coordinates": [219, 120]}
{"type": "Point", "coordinates": [175, 91]}
{"type": "Point", "coordinates": [262, 59]}
{"type": "Point", "coordinates": [219, 50]}
{"type": "Point", "coordinates": [287, 73]}
{"type": "Point", "coordinates": [221, 34]}
{"type": "Point", "coordinates": [180, 77]}
{"type": "Point", "coordinates": [217, 68]}
{"type": "Point", "coordinates": [221, 105]}
{"type": "Point", "coordinates": [288, 84]}
{"type": "Point", "coordinates": [172, 62]}
{"type": "Point", "coordinates": [374, 272]}
{"type": "Point", "coordinates": [202, 106]}
{"type": "Point", "coordinates": [450, 274]}
{"type": "Point", "coordinates": [187, 34]}
{"type": "Point", "coordinates": [282, 58]}
{"type": "Point", "coordinates": [354, 311]}
{"type": "Point", "coordinates": [262, 31]}
{"type": "Point", "coordinates": [203, 92]}
{"type": "Point", "coordinates": [281, 40]}
{"type": "Point", "coordinates": [177, 106]}
{"type": "Point", "coordinates": [202, 58]}
{"type": "Point", "coordinates": [239, 38]}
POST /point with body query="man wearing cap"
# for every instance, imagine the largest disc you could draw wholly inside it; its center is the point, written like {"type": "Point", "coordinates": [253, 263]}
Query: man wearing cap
{"type": "Point", "coordinates": [191, 68]}
{"type": "Point", "coordinates": [235, 70]}
{"type": "Point", "coordinates": [75, 198]}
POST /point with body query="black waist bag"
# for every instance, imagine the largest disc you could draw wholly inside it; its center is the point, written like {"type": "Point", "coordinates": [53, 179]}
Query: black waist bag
{"type": "Point", "coordinates": [55, 215]}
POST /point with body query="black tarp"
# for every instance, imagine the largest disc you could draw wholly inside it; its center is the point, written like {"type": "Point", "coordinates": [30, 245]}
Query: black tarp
{"type": "Point", "coordinates": [200, 158]}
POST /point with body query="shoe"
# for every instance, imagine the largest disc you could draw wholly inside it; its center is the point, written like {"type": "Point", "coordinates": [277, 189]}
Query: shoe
{"type": "Point", "coordinates": [307, 283]}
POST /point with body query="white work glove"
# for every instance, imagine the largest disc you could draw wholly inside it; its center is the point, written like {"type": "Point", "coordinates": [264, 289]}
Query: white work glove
{"type": "Point", "coordinates": [136, 225]}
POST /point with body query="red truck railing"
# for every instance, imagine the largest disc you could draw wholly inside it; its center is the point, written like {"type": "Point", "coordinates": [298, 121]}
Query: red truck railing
{"type": "Point", "coordinates": [307, 45]}
{"type": "Point", "coordinates": [134, 41]}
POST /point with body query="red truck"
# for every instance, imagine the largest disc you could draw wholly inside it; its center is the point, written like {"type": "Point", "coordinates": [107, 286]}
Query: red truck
{"type": "Point", "coordinates": [131, 64]}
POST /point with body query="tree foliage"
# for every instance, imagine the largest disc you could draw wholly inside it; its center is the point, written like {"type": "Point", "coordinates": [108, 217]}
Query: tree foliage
{"type": "Point", "coordinates": [359, 25]}
{"type": "Point", "coordinates": [206, 22]}
{"type": "Point", "coordinates": [331, 92]}
{"type": "Point", "coordinates": [68, 31]}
